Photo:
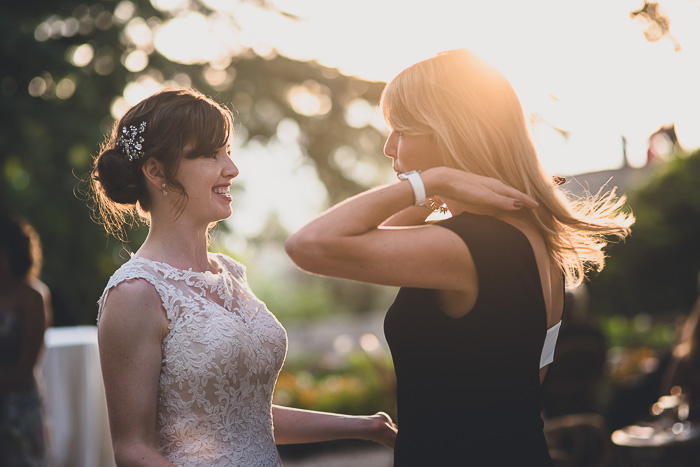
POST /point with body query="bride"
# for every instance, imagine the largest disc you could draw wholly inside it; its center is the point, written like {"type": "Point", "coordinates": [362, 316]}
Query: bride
{"type": "Point", "coordinates": [189, 355]}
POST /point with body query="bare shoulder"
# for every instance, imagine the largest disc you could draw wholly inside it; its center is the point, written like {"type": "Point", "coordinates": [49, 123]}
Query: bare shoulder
{"type": "Point", "coordinates": [133, 306]}
{"type": "Point", "coordinates": [27, 299]}
{"type": "Point", "coordinates": [29, 294]}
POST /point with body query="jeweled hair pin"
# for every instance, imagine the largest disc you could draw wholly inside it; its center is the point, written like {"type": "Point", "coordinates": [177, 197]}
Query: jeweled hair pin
{"type": "Point", "coordinates": [131, 141]}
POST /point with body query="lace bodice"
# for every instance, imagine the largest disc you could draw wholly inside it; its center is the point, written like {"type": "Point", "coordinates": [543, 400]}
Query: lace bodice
{"type": "Point", "coordinates": [221, 358]}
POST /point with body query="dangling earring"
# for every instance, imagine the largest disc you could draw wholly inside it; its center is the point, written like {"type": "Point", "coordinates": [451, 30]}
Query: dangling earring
{"type": "Point", "coordinates": [165, 192]}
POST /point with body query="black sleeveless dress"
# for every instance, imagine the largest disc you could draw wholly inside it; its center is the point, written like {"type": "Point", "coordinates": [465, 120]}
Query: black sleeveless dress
{"type": "Point", "coordinates": [468, 389]}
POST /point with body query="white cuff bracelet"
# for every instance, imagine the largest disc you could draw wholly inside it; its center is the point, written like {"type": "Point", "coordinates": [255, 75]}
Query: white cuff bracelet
{"type": "Point", "coordinates": [416, 182]}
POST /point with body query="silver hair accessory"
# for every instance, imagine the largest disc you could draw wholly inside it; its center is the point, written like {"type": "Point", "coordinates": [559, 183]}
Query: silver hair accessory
{"type": "Point", "coordinates": [131, 140]}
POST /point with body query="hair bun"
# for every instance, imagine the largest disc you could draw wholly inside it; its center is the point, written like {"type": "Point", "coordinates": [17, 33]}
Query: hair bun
{"type": "Point", "coordinates": [120, 178]}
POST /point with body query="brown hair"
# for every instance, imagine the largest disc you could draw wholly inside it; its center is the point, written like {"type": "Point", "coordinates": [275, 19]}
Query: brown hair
{"type": "Point", "coordinates": [175, 119]}
{"type": "Point", "coordinates": [21, 245]}
{"type": "Point", "coordinates": [479, 126]}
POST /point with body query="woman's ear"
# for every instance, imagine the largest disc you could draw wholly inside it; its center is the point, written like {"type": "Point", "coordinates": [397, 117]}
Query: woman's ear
{"type": "Point", "coordinates": [153, 171]}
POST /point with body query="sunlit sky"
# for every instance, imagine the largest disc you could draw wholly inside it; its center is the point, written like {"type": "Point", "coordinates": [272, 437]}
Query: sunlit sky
{"type": "Point", "coordinates": [583, 67]}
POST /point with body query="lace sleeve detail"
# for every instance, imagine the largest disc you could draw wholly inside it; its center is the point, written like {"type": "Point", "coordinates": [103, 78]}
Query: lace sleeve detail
{"type": "Point", "coordinates": [130, 271]}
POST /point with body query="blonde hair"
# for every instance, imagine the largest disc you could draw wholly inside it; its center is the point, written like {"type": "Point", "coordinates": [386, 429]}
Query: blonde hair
{"type": "Point", "coordinates": [479, 126]}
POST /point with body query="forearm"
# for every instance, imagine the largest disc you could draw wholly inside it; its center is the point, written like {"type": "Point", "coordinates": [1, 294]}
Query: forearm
{"type": "Point", "coordinates": [385, 205]}
{"type": "Point", "coordinates": [293, 426]}
{"type": "Point", "coordinates": [409, 216]}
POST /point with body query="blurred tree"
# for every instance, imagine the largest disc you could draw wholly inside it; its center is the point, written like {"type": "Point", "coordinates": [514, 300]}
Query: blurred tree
{"type": "Point", "coordinates": [656, 269]}
{"type": "Point", "coordinates": [66, 67]}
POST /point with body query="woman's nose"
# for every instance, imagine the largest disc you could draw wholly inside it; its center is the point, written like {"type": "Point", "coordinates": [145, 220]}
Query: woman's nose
{"type": "Point", "coordinates": [390, 146]}
{"type": "Point", "coordinates": [231, 170]}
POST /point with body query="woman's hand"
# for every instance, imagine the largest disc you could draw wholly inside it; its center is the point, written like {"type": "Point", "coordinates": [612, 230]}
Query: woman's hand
{"type": "Point", "coordinates": [383, 429]}
{"type": "Point", "coordinates": [469, 188]}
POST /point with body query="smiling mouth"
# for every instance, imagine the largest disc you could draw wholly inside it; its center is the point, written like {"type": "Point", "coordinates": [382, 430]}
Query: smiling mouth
{"type": "Point", "coordinates": [225, 191]}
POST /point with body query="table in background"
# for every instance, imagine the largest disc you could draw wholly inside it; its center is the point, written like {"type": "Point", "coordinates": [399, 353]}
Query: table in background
{"type": "Point", "coordinates": [655, 444]}
{"type": "Point", "coordinates": [75, 398]}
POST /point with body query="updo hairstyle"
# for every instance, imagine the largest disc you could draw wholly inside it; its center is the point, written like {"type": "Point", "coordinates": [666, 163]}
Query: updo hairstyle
{"type": "Point", "coordinates": [175, 120]}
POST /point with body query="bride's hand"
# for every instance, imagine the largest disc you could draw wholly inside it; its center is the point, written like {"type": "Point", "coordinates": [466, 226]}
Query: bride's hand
{"type": "Point", "coordinates": [384, 429]}
{"type": "Point", "coordinates": [470, 188]}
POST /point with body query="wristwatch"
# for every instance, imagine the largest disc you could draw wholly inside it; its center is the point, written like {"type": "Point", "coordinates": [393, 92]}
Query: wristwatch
{"type": "Point", "coordinates": [413, 177]}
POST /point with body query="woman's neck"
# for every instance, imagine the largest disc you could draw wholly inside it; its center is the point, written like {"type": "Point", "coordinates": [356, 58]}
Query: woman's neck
{"type": "Point", "coordinates": [179, 245]}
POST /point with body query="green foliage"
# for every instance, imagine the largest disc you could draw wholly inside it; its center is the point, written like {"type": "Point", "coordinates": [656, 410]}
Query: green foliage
{"type": "Point", "coordinates": [290, 302]}
{"type": "Point", "coordinates": [357, 383]}
{"type": "Point", "coordinates": [656, 269]}
{"type": "Point", "coordinates": [47, 140]}
{"type": "Point", "coordinates": [638, 331]}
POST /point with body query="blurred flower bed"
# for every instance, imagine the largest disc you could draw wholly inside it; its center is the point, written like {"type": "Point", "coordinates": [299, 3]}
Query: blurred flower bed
{"type": "Point", "coordinates": [356, 382]}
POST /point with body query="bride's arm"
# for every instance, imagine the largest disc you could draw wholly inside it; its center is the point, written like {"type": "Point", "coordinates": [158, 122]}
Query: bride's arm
{"type": "Point", "coordinates": [130, 331]}
{"type": "Point", "coordinates": [294, 426]}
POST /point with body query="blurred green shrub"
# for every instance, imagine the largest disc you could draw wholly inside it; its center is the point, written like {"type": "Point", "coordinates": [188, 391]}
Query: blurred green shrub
{"type": "Point", "coordinates": [656, 269]}
{"type": "Point", "coordinates": [358, 383]}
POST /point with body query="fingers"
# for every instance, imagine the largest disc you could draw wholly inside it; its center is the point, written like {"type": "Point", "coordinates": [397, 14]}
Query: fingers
{"type": "Point", "coordinates": [471, 188]}
{"type": "Point", "coordinates": [519, 199]}
{"type": "Point", "coordinates": [388, 435]}
{"type": "Point", "coordinates": [506, 197]}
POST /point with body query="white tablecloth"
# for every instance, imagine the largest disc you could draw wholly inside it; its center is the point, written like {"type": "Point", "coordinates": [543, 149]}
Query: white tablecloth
{"type": "Point", "coordinates": [75, 398]}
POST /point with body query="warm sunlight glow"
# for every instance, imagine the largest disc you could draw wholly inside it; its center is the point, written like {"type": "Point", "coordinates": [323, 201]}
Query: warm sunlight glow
{"type": "Point", "coordinates": [196, 46]}
{"type": "Point", "coordinates": [37, 86]}
{"type": "Point", "coordinates": [136, 61]}
{"type": "Point", "coordinates": [360, 113]}
{"type": "Point", "coordinates": [171, 5]}
{"type": "Point", "coordinates": [82, 55]}
{"type": "Point", "coordinates": [311, 98]}
{"type": "Point", "coordinates": [609, 81]}
{"type": "Point", "coordinates": [139, 33]}
{"type": "Point", "coordinates": [592, 86]}
{"type": "Point", "coordinates": [138, 90]}
{"type": "Point", "coordinates": [65, 88]}
{"type": "Point", "coordinates": [369, 343]}
{"type": "Point", "coordinates": [119, 107]}
{"type": "Point", "coordinates": [124, 11]}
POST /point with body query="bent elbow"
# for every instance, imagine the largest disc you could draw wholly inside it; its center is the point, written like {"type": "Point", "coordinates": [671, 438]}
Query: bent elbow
{"type": "Point", "coordinates": [291, 247]}
{"type": "Point", "coordinates": [303, 251]}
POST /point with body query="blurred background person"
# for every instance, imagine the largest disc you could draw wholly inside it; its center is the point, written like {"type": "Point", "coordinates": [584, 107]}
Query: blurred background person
{"type": "Point", "coordinates": [684, 368]}
{"type": "Point", "coordinates": [25, 313]}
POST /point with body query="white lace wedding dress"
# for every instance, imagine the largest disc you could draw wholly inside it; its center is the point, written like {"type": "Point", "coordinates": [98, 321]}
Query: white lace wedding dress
{"type": "Point", "coordinates": [221, 359]}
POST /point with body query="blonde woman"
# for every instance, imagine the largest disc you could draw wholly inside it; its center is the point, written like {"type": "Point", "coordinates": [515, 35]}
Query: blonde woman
{"type": "Point", "coordinates": [474, 324]}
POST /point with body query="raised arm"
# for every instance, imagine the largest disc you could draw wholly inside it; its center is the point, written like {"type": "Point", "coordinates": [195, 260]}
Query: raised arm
{"type": "Point", "coordinates": [350, 240]}
{"type": "Point", "coordinates": [131, 328]}
{"type": "Point", "coordinates": [294, 426]}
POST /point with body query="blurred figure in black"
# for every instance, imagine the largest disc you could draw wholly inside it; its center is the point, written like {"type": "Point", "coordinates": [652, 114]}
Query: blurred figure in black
{"type": "Point", "coordinates": [25, 313]}
{"type": "Point", "coordinates": [684, 368]}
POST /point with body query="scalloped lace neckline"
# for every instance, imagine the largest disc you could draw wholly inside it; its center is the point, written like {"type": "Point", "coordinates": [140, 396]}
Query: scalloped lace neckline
{"type": "Point", "coordinates": [189, 271]}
